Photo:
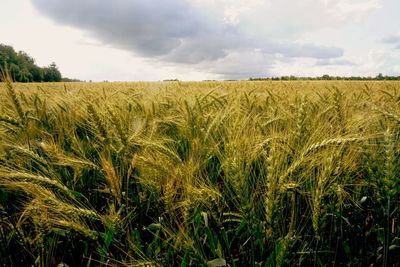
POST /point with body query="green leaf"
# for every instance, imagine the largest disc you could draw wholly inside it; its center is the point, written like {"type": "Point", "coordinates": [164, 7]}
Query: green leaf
{"type": "Point", "coordinates": [154, 227]}
{"type": "Point", "coordinates": [216, 263]}
{"type": "Point", "coordinates": [185, 259]}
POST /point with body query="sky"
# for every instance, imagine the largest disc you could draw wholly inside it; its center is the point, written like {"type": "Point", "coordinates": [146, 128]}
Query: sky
{"type": "Point", "coordinates": [150, 40]}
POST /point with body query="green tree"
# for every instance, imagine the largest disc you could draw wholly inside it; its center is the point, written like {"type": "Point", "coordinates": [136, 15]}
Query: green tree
{"type": "Point", "coordinates": [326, 77]}
{"type": "Point", "coordinates": [37, 74]}
{"type": "Point", "coordinates": [15, 71]}
{"type": "Point", "coordinates": [22, 67]}
{"type": "Point", "coordinates": [52, 74]}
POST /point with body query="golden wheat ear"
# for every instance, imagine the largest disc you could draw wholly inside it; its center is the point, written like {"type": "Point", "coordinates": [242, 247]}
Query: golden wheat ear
{"type": "Point", "coordinates": [7, 79]}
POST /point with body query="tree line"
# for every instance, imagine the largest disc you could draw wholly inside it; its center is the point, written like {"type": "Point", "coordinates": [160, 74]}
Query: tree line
{"type": "Point", "coordinates": [22, 67]}
{"type": "Point", "coordinates": [327, 77]}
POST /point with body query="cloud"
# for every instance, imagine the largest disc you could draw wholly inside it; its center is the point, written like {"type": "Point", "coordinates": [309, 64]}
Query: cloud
{"type": "Point", "coordinates": [358, 8]}
{"type": "Point", "coordinates": [392, 39]}
{"type": "Point", "coordinates": [396, 70]}
{"type": "Point", "coordinates": [304, 50]}
{"type": "Point", "coordinates": [336, 62]}
{"type": "Point", "coordinates": [147, 27]}
{"type": "Point", "coordinates": [180, 32]}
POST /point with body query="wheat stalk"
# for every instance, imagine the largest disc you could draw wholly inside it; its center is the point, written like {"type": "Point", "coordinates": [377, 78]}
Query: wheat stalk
{"type": "Point", "coordinates": [14, 99]}
{"type": "Point", "coordinates": [9, 120]}
{"type": "Point", "coordinates": [113, 180]}
{"type": "Point", "coordinates": [97, 121]}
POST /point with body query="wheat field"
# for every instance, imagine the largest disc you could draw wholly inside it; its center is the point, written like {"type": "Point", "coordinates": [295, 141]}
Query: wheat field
{"type": "Point", "coordinates": [267, 173]}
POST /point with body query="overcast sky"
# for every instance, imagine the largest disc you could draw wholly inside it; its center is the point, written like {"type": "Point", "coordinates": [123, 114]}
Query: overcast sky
{"type": "Point", "coordinates": [126, 40]}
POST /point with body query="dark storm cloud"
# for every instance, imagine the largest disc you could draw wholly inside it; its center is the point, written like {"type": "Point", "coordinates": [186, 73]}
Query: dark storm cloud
{"type": "Point", "coordinates": [146, 27]}
{"type": "Point", "coordinates": [172, 31]}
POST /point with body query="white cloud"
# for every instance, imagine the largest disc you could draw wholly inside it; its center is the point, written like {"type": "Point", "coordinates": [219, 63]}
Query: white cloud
{"type": "Point", "coordinates": [358, 8]}
{"type": "Point", "coordinates": [393, 40]}
{"type": "Point", "coordinates": [379, 61]}
{"type": "Point", "coordinates": [396, 70]}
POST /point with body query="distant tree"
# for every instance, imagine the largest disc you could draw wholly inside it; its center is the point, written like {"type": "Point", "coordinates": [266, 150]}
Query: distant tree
{"type": "Point", "coordinates": [52, 74]}
{"type": "Point", "coordinates": [37, 74]}
{"type": "Point", "coordinates": [326, 77]}
{"type": "Point", "coordinates": [15, 71]}
{"type": "Point", "coordinates": [25, 75]}
{"type": "Point", "coordinates": [22, 67]}
{"type": "Point", "coordinates": [69, 80]}
{"type": "Point", "coordinates": [380, 77]}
